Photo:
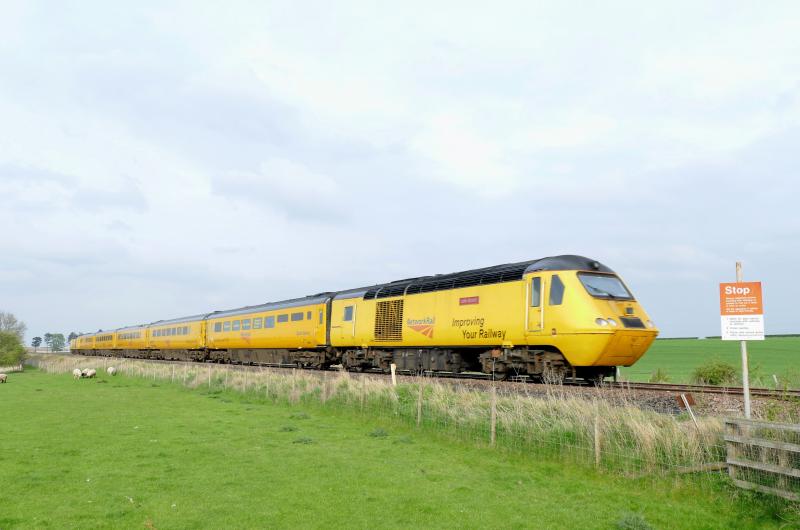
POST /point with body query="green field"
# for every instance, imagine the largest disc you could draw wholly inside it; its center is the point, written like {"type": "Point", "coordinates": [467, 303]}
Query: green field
{"type": "Point", "coordinates": [679, 357]}
{"type": "Point", "coordinates": [133, 453]}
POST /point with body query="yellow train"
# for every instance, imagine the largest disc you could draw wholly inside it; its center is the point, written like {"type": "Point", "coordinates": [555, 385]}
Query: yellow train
{"type": "Point", "coordinates": [557, 317]}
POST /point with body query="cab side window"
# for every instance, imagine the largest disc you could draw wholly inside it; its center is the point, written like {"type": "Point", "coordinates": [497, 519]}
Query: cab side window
{"type": "Point", "coordinates": [556, 291]}
{"type": "Point", "coordinates": [536, 292]}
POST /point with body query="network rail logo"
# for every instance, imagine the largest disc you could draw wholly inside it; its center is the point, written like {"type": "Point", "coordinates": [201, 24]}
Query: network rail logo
{"type": "Point", "coordinates": [422, 325]}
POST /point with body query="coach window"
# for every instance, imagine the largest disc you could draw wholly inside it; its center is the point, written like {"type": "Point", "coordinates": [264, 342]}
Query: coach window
{"type": "Point", "coordinates": [308, 315]}
{"type": "Point", "coordinates": [283, 318]}
{"type": "Point", "coordinates": [226, 326]}
{"type": "Point", "coordinates": [297, 316]}
{"type": "Point", "coordinates": [320, 317]}
{"type": "Point", "coordinates": [237, 324]}
{"type": "Point", "coordinates": [556, 290]}
{"type": "Point", "coordinates": [536, 292]}
{"type": "Point", "coordinates": [348, 313]}
{"type": "Point", "coordinates": [269, 322]}
{"type": "Point", "coordinates": [257, 323]}
{"type": "Point", "coordinates": [185, 330]}
{"type": "Point", "coordinates": [246, 323]}
{"type": "Point", "coordinates": [217, 326]}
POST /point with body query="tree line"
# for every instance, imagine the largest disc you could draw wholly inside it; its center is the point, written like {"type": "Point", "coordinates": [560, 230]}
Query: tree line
{"type": "Point", "coordinates": [12, 335]}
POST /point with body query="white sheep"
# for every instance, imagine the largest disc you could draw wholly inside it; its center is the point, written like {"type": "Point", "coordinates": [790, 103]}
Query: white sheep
{"type": "Point", "coordinates": [91, 373]}
{"type": "Point", "coordinates": [111, 371]}
{"type": "Point", "coordinates": [84, 372]}
{"type": "Point", "coordinates": [76, 373]}
{"type": "Point", "coordinates": [3, 378]}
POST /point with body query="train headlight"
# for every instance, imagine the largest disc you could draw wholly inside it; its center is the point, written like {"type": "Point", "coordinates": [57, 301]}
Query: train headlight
{"type": "Point", "coordinates": [601, 321]}
{"type": "Point", "coordinates": [612, 322]}
{"type": "Point", "coordinates": [650, 324]}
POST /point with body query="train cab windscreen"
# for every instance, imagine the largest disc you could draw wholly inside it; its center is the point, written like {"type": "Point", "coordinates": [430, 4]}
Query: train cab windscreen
{"type": "Point", "coordinates": [604, 286]}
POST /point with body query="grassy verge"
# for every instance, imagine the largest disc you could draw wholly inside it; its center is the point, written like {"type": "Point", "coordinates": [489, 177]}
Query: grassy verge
{"type": "Point", "coordinates": [678, 359]}
{"type": "Point", "coordinates": [132, 452]}
{"type": "Point", "coordinates": [622, 438]}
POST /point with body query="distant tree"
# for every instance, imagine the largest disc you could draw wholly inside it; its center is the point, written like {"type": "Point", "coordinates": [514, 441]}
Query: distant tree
{"type": "Point", "coordinates": [12, 352]}
{"type": "Point", "coordinates": [8, 322]}
{"type": "Point", "coordinates": [36, 342]}
{"type": "Point", "coordinates": [56, 341]}
{"type": "Point", "coordinates": [72, 335]}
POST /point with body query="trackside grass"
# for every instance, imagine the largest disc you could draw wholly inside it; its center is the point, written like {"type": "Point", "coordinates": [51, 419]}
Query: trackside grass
{"type": "Point", "coordinates": [679, 357]}
{"type": "Point", "coordinates": [620, 438]}
{"type": "Point", "coordinates": [133, 452]}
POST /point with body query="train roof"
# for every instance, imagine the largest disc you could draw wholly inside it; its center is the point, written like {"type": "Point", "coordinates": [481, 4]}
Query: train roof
{"type": "Point", "coordinates": [486, 275]}
{"type": "Point", "coordinates": [320, 298]}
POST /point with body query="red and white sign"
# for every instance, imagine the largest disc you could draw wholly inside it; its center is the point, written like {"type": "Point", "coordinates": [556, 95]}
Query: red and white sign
{"type": "Point", "coordinates": [469, 300]}
{"type": "Point", "coordinates": [741, 311]}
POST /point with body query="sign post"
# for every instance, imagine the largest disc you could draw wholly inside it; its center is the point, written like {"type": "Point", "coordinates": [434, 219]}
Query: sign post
{"type": "Point", "coordinates": [742, 319]}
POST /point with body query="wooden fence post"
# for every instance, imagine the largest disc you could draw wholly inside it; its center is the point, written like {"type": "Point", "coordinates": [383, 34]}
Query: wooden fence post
{"type": "Point", "coordinates": [419, 405]}
{"type": "Point", "coordinates": [597, 439]}
{"type": "Point", "coordinates": [363, 390]}
{"type": "Point", "coordinates": [494, 416]}
{"type": "Point", "coordinates": [209, 377]}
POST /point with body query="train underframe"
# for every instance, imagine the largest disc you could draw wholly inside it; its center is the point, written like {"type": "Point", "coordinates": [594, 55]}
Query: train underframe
{"type": "Point", "coordinates": [548, 365]}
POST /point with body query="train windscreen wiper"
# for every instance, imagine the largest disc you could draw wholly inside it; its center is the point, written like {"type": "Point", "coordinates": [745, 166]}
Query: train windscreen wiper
{"type": "Point", "coordinates": [602, 292]}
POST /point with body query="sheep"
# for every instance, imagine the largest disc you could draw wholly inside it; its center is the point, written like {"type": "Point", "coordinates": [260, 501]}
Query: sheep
{"type": "Point", "coordinates": [91, 373]}
{"type": "Point", "coordinates": [3, 378]}
{"type": "Point", "coordinates": [111, 371]}
{"type": "Point", "coordinates": [84, 372]}
{"type": "Point", "coordinates": [77, 374]}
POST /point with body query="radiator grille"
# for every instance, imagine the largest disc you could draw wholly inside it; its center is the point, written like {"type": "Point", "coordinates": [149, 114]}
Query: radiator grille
{"type": "Point", "coordinates": [632, 322]}
{"type": "Point", "coordinates": [389, 320]}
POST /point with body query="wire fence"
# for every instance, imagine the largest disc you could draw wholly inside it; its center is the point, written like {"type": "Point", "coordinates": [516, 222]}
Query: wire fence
{"type": "Point", "coordinates": [554, 424]}
{"type": "Point", "coordinates": [11, 369]}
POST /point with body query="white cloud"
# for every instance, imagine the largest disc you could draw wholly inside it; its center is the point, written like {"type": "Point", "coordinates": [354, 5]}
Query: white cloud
{"type": "Point", "coordinates": [190, 156]}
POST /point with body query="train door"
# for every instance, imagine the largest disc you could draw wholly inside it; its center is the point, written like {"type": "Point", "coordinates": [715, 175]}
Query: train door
{"type": "Point", "coordinates": [535, 304]}
{"type": "Point", "coordinates": [343, 322]}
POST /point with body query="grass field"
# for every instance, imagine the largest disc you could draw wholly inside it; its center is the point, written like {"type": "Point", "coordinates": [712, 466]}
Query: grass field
{"type": "Point", "coordinates": [679, 357]}
{"type": "Point", "coordinates": [133, 453]}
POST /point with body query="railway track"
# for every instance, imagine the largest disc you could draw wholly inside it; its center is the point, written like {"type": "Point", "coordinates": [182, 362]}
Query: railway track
{"type": "Point", "coordinates": [705, 389]}
{"type": "Point", "coordinates": [620, 385]}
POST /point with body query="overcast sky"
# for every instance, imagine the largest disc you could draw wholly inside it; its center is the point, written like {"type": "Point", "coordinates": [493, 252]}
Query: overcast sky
{"type": "Point", "coordinates": [171, 158]}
